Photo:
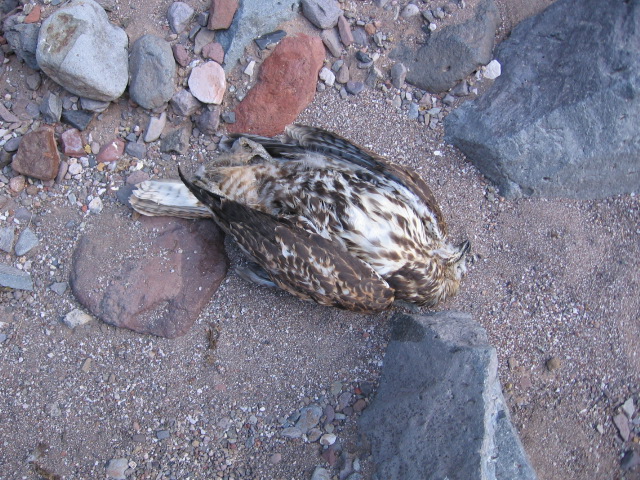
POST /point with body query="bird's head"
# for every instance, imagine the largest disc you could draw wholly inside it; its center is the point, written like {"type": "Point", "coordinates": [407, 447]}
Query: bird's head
{"type": "Point", "coordinates": [454, 267]}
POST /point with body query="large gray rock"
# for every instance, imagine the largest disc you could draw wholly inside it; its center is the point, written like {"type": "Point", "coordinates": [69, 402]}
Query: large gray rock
{"type": "Point", "coordinates": [562, 119]}
{"type": "Point", "coordinates": [23, 39]}
{"type": "Point", "coordinates": [153, 71]}
{"type": "Point", "coordinates": [11, 277]}
{"type": "Point", "coordinates": [439, 411]}
{"type": "Point", "coordinates": [253, 19]}
{"type": "Point", "coordinates": [83, 52]}
{"type": "Point", "coordinates": [452, 53]}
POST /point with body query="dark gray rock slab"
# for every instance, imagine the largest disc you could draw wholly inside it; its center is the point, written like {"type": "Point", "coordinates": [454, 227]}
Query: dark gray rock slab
{"type": "Point", "coordinates": [157, 289]}
{"type": "Point", "coordinates": [439, 411]}
{"type": "Point", "coordinates": [153, 71]}
{"type": "Point", "coordinates": [253, 19]}
{"type": "Point", "coordinates": [562, 119]}
{"type": "Point", "coordinates": [23, 39]}
{"type": "Point", "coordinates": [323, 14]}
{"type": "Point", "coordinates": [453, 52]}
{"type": "Point", "coordinates": [11, 277]}
{"type": "Point", "coordinates": [82, 51]}
{"type": "Point", "coordinates": [27, 241]}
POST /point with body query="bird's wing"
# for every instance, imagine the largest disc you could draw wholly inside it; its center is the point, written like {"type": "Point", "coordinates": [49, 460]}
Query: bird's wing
{"type": "Point", "coordinates": [336, 147]}
{"type": "Point", "coordinates": [301, 262]}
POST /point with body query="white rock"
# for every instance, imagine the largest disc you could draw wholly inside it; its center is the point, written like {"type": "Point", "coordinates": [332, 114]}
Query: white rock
{"type": "Point", "coordinates": [250, 68]}
{"type": "Point", "coordinates": [95, 206]}
{"type": "Point", "coordinates": [410, 10]}
{"type": "Point", "coordinates": [75, 169]}
{"type": "Point", "coordinates": [492, 70]}
{"type": "Point", "coordinates": [76, 318]}
{"type": "Point", "coordinates": [628, 408]}
{"type": "Point", "coordinates": [207, 83]}
{"type": "Point", "coordinates": [327, 76]}
{"type": "Point", "coordinates": [328, 439]}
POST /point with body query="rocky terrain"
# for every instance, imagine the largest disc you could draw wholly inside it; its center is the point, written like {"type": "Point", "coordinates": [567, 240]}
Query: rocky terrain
{"type": "Point", "coordinates": [247, 382]}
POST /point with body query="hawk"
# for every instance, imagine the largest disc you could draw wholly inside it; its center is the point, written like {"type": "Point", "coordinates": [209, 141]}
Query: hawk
{"type": "Point", "coordinates": [321, 218]}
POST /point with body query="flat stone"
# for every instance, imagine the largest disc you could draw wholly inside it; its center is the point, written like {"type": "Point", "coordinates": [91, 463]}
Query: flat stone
{"type": "Point", "coordinates": [59, 287]}
{"type": "Point", "coordinates": [184, 103]}
{"type": "Point", "coordinates": [116, 468]}
{"type": "Point", "coordinates": [27, 241]}
{"type": "Point", "coordinates": [181, 55]}
{"type": "Point", "coordinates": [23, 38]}
{"type": "Point", "coordinates": [12, 144]}
{"type": "Point", "coordinates": [79, 119]}
{"type": "Point", "coordinates": [207, 83]}
{"type": "Point", "coordinates": [160, 290]}
{"type": "Point", "coordinates": [11, 277]}
{"type": "Point", "coordinates": [221, 14]}
{"type": "Point", "coordinates": [323, 14]}
{"type": "Point", "coordinates": [203, 38]}
{"type": "Point", "coordinates": [111, 152]}
{"type": "Point", "coordinates": [136, 149]}
{"type": "Point", "coordinates": [271, 38]}
{"type": "Point", "coordinates": [179, 15]}
{"type": "Point", "coordinates": [398, 75]}
{"type": "Point", "coordinates": [208, 121]}
{"type": "Point", "coordinates": [286, 85]}
{"type": "Point", "coordinates": [440, 379]}
{"type": "Point", "coordinates": [72, 143]}
{"type": "Point", "coordinates": [622, 424]}
{"type": "Point", "coordinates": [75, 318]}
{"type": "Point", "coordinates": [155, 127]}
{"type": "Point", "coordinates": [79, 49]}
{"type": "Point", "coordinates": [332, 42]}
{"type": "Point", "coordinates": [7, 116]}
{"type": "Point", "coordinates": [344, 28]}
{"type": "Point", "coordinates": [309, 418]}
{"type": "Point", "coordinates": [51, 108]}
{"type": "Point", "coordinates": [34, 81]}
{"type": "Point", "coordinates": [7, 236]}
{"type": "Point", "coordinates": [153, 72]}
{"type": "Point", "coordinates": [177, 140]}
{"type": "Point", "coordinates": [38, 155]}
{"type": "Point", "coordinates": [213, 51]}
{"type": "Point", "coordinates": [321, 474]}
{"type": "Point", "coordinates": [95, 106]}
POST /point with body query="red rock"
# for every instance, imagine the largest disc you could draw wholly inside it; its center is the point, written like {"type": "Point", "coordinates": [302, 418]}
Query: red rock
{"type": "Point", "coordinates": [158, 288]}
{"type": "Point", "coordinates": [286, 85]}
{"type": "Point", "coordinates": [111, 152]}
{"type": "Point", "coordinates": [346, 36]}
{"type": "Point", "coordinates": [34, 15]}
{"type": "Point", "coordinates": [38, 155]}
{"type": "Point", "coordinates": [181, 55]}
{"type": "Point", "coordinates": [221, 14]}
{"type": "Point", "coordinates": [213, 51]}
{"type": "Point", "coordinates": [72, 143]}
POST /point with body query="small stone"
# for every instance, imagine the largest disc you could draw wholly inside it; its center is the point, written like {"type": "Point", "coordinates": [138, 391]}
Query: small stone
{"type": "Point", "coordinates": [136, 149]}
{"type": "Point", "coordinates": [163, 434]}
{"type": "Point", "coordinates": [95, 106]}
{"type": "Point", "coordinates": [95, 205]}
{"type": "Point", "coordinates": [323, 14]}
{"type": "Point", "coordinates": [309, 418]}
{"type": "Point", "coordinates": [11, 277]}
{"type": "Point", "coordinates": [229, 117]}
{"type": "Point", "coordinates": [58, 287]}
{"type": "Point", "coordinates": [213, 51]}
{"type": "Point", "coordinates": [51, 108]}
{"type": "Point", "coordinates": [554, 363]}
{"type": "Point", "coordinates": [398, 75]}
{"type": "Point", "coordinates": [7, 236]}
{"type": "Point", "coordinates": [328, 439]}
{"type": "Point", "coordinates": [493, 70]}
{"type": "Point", "coordinates": [332, 42]}
{"type": "Point", "coordinates": [270, 39]}
{"type": "Point", "coordinates": [179, 15]}
{"type": "Point", "coordinates": [181, 55]}
{"type": "Point", "coordinates": [321, 474]}
{"type": "Point", "coordinates": [343, 74]}
{"type": "Point", "coordinates": [17, 183]}
{"type": "Point", "coordinates": [327, 76]}
{"type": "Point", "coordinates": [72, 143]}
{"type": "Point", "coordinates": [208, 121]}
{"type": "Point", "coordinates": [413, 112]}
{"type": "Point", "coordinates": [79, 119]}
{"type": "Point", "coordinates": [630, 459]}
{"type": "Point", "coordinates": [622, 424]}
{"type": "Point", "coordinates": [346, 35]}
{"type": "Point", "coordinates": [629, 408]}
{"type": "Point", "coordinates": [75, 169]}
{"type": "Point", "coordinates": [291, 432]}
{"type": "Point", "coordinates": [276, 458]}
{"type": "Point", "coordinates": [177, 140]}
{"type": "Point", "coordinates": [410, 10]}
{"type": "Point", "coordinates": [184, 103]}
{"type": "Point", "coordinates": [203, 38]}
{"type": "Point", "coordinates": [359, 405]}
{"type": "Point", "coordinates": [27, 241]}
{"type": "Point", "coordinates": [250, 68]}
{"type": "Point", "coordinates": [354, 87]}
{"type": "Point", "coordinates": [111, 152]}
{"type": "Point", "coordinates": [3, 337]}
{"type": "Point", "coordinates": [38, 155]}
{"type": "Point", "coordinates": [86, 365]}
{"type": "Point", "coordinates": [155, 127]}
{"type": "Point", "coordinates": [314, 435]}
{"type": "Point", "coordinates": [221, 14]}
{"type": "Point", "coordinates": [12, 144]}
{"type": "Point", "coordinates": [116, 468]}
{"type": "Point", "coordinates": [207, 83]}
{"type": "Point", "coordinates": [75, 318]}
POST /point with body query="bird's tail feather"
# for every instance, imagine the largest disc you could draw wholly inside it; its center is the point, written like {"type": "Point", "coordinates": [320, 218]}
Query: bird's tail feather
{"type": "Point", "coordinates": [167, 198]}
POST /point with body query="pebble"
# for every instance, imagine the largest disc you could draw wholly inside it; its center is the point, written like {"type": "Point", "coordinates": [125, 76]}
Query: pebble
{"type": "Point", "coordinates": [554, 363]}
{"type": "Point", "coordinates": [116, 468]}
{"type": "Point", "coordinates": [275, 458]}
{"type": "Point", "coordinates": [332, 42]}
{"type": "Point", "coordinates": [622, 424]}
{"type": "Point", "coordinates": [270, 39]}
{"type": "Point", "coordinates": [59, 287]}
{"type": "Point", "coordinates": [136, 149]}
{"type": "Point", "coordinates": [7, 236]}
{"type": "Point", "coordinates": [95, 206]}
{"type": "Point", "coordinates": [321, 474]}
{"type": "Point", "coordinates": [493, 70]}
{"type": "Point", "coordinates": [207, 83]}
{"type": "Point", "coordinates": [27, 241]}
{"type": "Point", "coordinates": [354, 87]}
{"type": "Point", "coordinates": [413, 112]}
{"type": "Point", "coordinates": [3, 337]}
{"type": "Point", "coordinates": [79, 119]}
{"type": "Point", "coordinates": [155, 127]}
{"type": "Point", "coordinates": [291, 432]}
{"type": "Point", "coordinates": [163, 434]}
{"type": "Point", "coordinates": [630, 459]}
{"type": "Point", "coordinates": [629, 408]}
{"type": "Point", "coordinates": [328, 439]}
{"type": "Point", "coordinates": [179, 15]}
{"type": "Point", "coordinates": [75, 169]}
{"type": "Point", "coordinates": [76, 317]}
{"type": "Point", "coordinates": [309, 418]}
{"type": "Point", "coordinates": [17, 183]}
{"type": "Point", "coordinates": [110, 152]}
{"type": "Point", "coordinates": [203, 38]}
{"type": "Point", "coordinates": [181, 55]}
{"type": "Point", "coordinates": [12, 144]}
{"type": "Point", "coordinates": [11, 277]}
{"type": "Point", "coordinates": [250, 68]}
{"type": "Point", "coordinates": [410, 10]}
{"type": "Point", "coordinates": [327, 76]}
{"type": "Point", "coordinates": [343, 74]}
{"type": "Point", "coordinates": [213, 51]}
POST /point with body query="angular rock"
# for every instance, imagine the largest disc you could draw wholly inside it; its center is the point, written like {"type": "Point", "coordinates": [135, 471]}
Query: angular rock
{"type": "Point", "coordinates": [213, 51]}
{"type": "Point", "coordinates": [83, 52]}
{"type": "Point", "coordinates": [11, 277]}
{"type": "Point", "coordinates": [323, 14]}
{"type": "Point", "coordinates": [95, 106]}
{"type": "Point", "coordinates": [155, 127]}
{"type": "Point", "coordinates": [79, 119]}
{"type": "Point", "coordinates": [158, 291]}
{"type": "Point", "coordinates": [286, 85]}
{"type": "Point", "coordinates": [179, 15]}
{"type": "Point", "coordinates": [208, 121]}
{"type": "Point", "coordinates": [75, 318]}
{"type": "Point", "coordinates": [72, 143]}
{"type": "Point", "coordinates": [23, 38]}
{"type": "Point", "coordinates": [111, 152]}
{"type": "Point", "coordinates": [184, 103]}
{"type": "Point", "coordinates": [7, 235]}
{"type": "Point", "coordinates": [439, 407]}
{"type": "Point", "coordinates": [309, 418]}
{"type": "Point", "coordinates": [398, 75]}
{"type": "Point", "coordinates": [116, 467]}
{"type": "Point", "coordinates": [153, 71]}
{"type": "Point", "coordinates": [7, 116]}
{"type": "Point", "coordinates": [27, 241]}
{"type": "Point", "coordinates": [136, 149]}
{"type": "Point", "coordinates": [38, 155]}
{"type": "Point", "coordinates": [207, 83]}
{"type": "Point", "coordinates": [545, 128]}
{"type": "Point", "coordinates": [221, 14]}
{"type": "Point", "coordinates": [332, 42]}
{"type": "Point", "coordinates": [251, 21]}
{"type": "Point", "coordinates": [270, 38]}
{"type": "Point", "coordinates": [181, 55]}
{"type": "Point", "coordinates": [203, 38]}
{"type": "Point", "coordinates": [177, 140]}
{"type": "Point", "coordinates": [452, 53]}
{"type": "Point", "coordinates": [344, 28]}
{"type": "Point", "coordinates": [34, 81]}
{"type": "Point", "coordinates": [12, 144]}
{"type": "Point", "coordinates": [34, 15]}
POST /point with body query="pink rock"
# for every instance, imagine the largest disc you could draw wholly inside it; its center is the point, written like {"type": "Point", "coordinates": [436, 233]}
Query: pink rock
{"type": "Point", "coordinates": [286, 85]}
{"type": "Point", "coordinates": [72, 143]}
{"type": "Point", "coordinates": [180, 54]}
{"type": "Point", "coordinates": [346, 36]}
{"type": "Point", "coordinates": [207, 83]}
{"type": "Point", "coordinates": [221, 14]}
{"type": "Point", "coordinates": [159, 288]}
{"type": "Point", "coordinates": [213, 51]}
{"type": "Point", "coordinates": [38, 155]}
{"type": "Point", "coordinates": [34, 15]}
{"type": "Point", "coordinates": [111, 152]}
{"type": "Point", "coordinates": [17, 183]}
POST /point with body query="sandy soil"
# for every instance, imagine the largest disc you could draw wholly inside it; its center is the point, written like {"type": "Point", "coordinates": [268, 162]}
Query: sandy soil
{"type": "Point", "coordinates": [550, 279]}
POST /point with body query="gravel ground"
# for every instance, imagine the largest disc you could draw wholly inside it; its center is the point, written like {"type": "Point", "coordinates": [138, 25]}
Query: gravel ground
{"type": "Point", "coordinates": [554, 282]}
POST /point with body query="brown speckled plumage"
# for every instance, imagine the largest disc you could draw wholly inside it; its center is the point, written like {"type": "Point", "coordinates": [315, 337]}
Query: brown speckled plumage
{"type": "Point", "coordinates": [324, 220]}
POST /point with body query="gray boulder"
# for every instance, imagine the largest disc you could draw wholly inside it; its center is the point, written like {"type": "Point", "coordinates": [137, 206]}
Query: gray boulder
{"type": "Point", "coordinates": [83, 52]}
{"type": "Point", "coordinates": [153, 71]}
{"type": "Point", "coordinates": [452, 53]}
{"type": "Point", "coordinates": [439, 411]}
{"type": "Point", "coordinates": [562, 119]}
{"type": "Point", "coordinates": [23, 39]}
{"type": "Point", "coordinates": [252, 20]}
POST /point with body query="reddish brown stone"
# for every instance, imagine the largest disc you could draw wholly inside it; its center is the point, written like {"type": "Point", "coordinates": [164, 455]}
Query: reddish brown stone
{"type": "Point", "coordinates": [34, 15]}
{"type": "Point", "coordinates": [181, 55]}
{"type": "Point", "coordinates": [346, 35]}
{"type": "Point", "coordinates": [213, 51]}
{"type": "Point", "coordinates": [286, 85]}
{"type": "Point", "coordinates": [153, 280]}
{"type": "Point", "coordinates": [111, 152]}
{"type": "Point", "coordinates": [221, 14]}
{"type": "Point", "coordinates": [38, 155]}
{"type": "Point", "coordinates": [72, 143]}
